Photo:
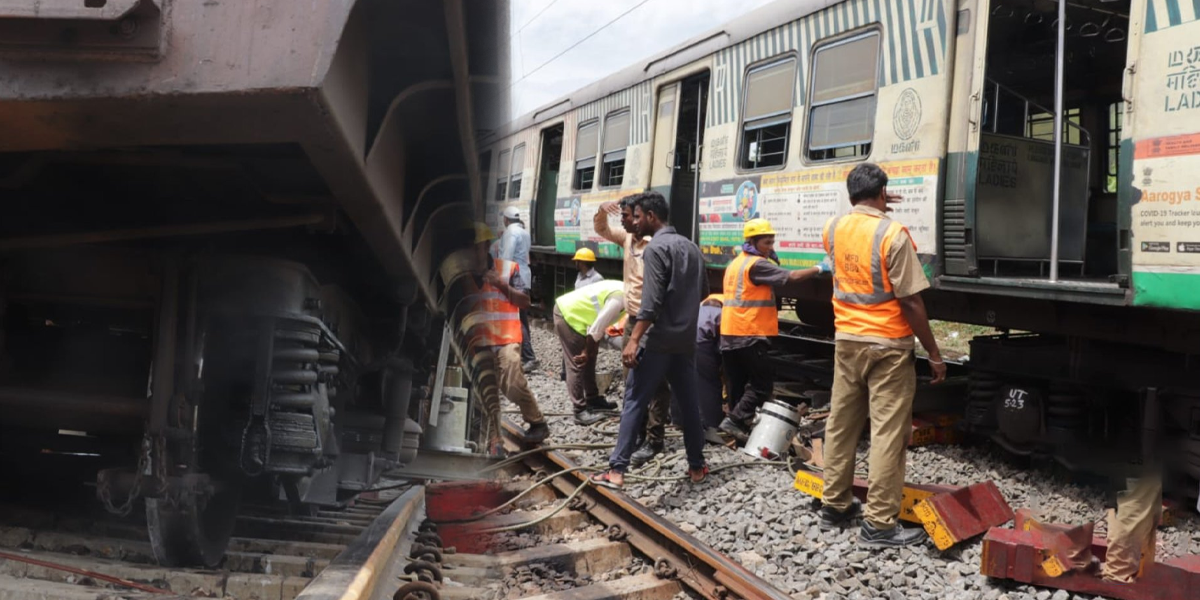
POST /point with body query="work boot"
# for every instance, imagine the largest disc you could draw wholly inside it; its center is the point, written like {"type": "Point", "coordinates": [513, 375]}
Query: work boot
{"type": "Point", "coordinates": [530, 366]}
{"type": "Point", "coordinates": [735, 429]}
{"type": "Point", "coordinates": [643, 455]}
{"type": "Point", "coordinates": [833, 519]}
{"type": "Point", "coordinates": [601, 404]}
{"type": "Point", "coordinates": [889, 538]}
{"type": "Point", "coordinates": [588, 417]}
{"type": "Point", "coordinates": [537, 433]}
{"type": "Point", "coordinates": [712, 435]}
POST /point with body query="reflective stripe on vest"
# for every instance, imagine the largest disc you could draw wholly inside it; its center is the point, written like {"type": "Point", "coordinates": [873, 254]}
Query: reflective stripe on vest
{"type": "Point", "coordinates": [498, 319]}
{"type": "Point", "coordinates": [581, 307]}
{"type": "Point", "coordinates": [748, 308]}
{"type": "Point", "coordinates": [864, 303]}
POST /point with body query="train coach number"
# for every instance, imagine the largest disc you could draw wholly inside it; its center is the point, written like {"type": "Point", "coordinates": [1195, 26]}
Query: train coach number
{"type": "Point", "coordinates": [1015, 399]}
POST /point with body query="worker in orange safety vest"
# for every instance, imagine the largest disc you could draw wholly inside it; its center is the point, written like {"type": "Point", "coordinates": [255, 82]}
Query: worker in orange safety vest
{"type": "Point", "coordinates": [877, 307]}
{"type": "Point", "coordinates": [749, 319]}
{"type": "Point", "coordinates": [498, 320]}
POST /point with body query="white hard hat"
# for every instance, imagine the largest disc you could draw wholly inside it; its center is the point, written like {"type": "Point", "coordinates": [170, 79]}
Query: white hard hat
{"type": "Point", "coordinates": [512, 213]}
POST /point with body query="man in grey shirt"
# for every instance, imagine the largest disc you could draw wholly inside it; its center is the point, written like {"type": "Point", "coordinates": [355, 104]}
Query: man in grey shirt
{"type": "Point", "coordinates": [663, 342]}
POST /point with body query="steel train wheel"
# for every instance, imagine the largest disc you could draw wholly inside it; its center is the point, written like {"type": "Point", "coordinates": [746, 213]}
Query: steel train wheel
{"type": "Point", "coordinates": [195, 531]}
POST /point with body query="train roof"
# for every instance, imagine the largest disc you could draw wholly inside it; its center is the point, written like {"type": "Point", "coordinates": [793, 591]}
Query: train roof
{"type": "Point", "coordinates": [738, 30]}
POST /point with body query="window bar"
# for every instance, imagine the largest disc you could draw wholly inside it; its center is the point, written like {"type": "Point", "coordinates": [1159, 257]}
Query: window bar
{"type": "Point", "coordinates": [1058, 136]}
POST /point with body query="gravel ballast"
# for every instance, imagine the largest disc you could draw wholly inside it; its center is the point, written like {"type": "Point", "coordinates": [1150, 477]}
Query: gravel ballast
{"type": "Point", "coordinates": [754, 515]}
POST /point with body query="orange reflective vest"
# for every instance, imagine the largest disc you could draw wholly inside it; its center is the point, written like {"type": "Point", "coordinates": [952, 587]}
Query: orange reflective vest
{"type": "Point", "coordinates": [749, 308]}
{"type": "Point", "coordinates": [863, 301]}
{"type": "Point", "coordinates": [499, 319]}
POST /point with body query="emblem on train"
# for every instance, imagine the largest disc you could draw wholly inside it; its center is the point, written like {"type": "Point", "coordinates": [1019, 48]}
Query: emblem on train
{"type": "Point", "coordinates": [746, 201]}
{"type": "Point", "coordinates": [907, 114]}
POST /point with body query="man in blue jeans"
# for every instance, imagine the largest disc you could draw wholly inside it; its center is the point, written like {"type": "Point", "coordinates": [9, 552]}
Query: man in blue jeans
{"type": "Point", "coordinates": [663, 342]}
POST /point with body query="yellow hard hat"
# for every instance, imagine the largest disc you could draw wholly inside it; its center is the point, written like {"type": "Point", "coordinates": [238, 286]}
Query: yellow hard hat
{"type": "Point", "coordinates": [757, 227]}
{"type": "Point", "coordinates": [585, 254]}
{"type": "Point", "coordinates": [483, 233]}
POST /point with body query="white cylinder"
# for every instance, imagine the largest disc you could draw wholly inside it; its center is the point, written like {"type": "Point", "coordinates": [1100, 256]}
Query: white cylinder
{"type": "Point", "coordinates": [777, 423]}
{"type": "Point", "coordinates": [450, 435]}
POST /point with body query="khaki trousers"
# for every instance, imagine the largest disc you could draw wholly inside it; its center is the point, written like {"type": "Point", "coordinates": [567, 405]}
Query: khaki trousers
{"type": "Point", "coordinates": [1131, 530]}
{"type": "Point", "coordinates": [869, 380]}
{"type": "Point", "coordinates": [513, 384]}
{"type": "Point", "coordinates": [581, 381]}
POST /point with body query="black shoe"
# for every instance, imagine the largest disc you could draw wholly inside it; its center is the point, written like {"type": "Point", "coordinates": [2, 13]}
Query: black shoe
{"type": "Point", "coordinates": [537, 433]}
{"type": "Point", "coordinates": [890, 538]}
{"type": "Point", "coordinates": [530, 366]}
{"type": "Point", "coordinates": [589, 417]}
{"type": "Point", "coordinates": [599, 403]}
{"type": "Point", "coordinates": [735, 429]}
{"type": "Point", "coordinates": [833, 519]}
{"type": "Point", "coordinates": [643, 455]}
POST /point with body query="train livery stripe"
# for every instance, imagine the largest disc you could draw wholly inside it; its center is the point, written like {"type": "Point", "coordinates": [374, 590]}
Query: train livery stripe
{"type": "Point", "coordinates": [1164, 14]}
{"type": "Point", "coordinates": [915, 47]}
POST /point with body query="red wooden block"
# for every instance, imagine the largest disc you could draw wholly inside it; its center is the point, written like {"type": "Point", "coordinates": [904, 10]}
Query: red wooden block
{"type": "Point", "coordinates": [1019, 555]}
{"type": "Point", "coordinates": [455, 501]}
{"type": "Point", "coordinates": [963, 514]}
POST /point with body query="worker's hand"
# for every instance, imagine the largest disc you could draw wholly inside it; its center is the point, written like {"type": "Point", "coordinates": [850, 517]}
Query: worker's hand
{"type": "Point", "coordinates": [892, 199]}
{"type": "Point", "coordinates": [939, 370]}
{"type": "Point", "coordinates": [611, 208]}
{"type": "Point", "coordinates": [629, 355]}
{"type": "Point", "coordinates": [580, 359]}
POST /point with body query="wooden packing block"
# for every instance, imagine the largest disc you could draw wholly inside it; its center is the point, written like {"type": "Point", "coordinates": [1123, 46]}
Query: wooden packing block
{"type": "Point", "coordinates": [956, 516]}
{"type": "Point", "coordinates": [1024, 556]}
{"type": "Point", "coordinates": [813, 484]}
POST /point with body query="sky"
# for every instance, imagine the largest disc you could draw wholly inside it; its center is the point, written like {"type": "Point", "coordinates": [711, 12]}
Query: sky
{"type": "Point", "coordinates": [541, 29]}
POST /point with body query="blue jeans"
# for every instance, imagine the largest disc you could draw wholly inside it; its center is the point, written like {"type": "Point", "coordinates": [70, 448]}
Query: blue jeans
{"type": "Point", "coordinates": [680, 371]}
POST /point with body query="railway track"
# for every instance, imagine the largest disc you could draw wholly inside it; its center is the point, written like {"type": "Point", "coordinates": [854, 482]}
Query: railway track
{"type": "Point", "coordinates": [56, 555]}
{"type": "Point", "coordinates": [570, 540]}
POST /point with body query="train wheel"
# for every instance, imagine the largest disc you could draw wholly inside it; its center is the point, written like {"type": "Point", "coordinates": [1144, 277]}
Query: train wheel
{"type": "Point", "coordinates": [195, 529]}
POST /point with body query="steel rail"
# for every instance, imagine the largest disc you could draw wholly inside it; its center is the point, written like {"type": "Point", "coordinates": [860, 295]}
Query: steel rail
{"type": "Point", "coordinates": [704, 570]}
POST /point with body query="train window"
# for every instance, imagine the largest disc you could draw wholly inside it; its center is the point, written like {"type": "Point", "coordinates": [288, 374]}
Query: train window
{"type": "Point", "coordinates": [616, 139]}
{"type": "Point", "coordinates": [1040, 126]}
{"type": "Point", "coordinates": [502, 176]}
{"type": "Point", "coordinates": [1116, 112]}
{"type": "Point", "coordinates": [841, 117]}
{"type": "Point", "coordinates": [586, 141]}
{"type": "Point", "coordinates": [767, 114]}
{"type": "Point", "coordinates": [518, 168]}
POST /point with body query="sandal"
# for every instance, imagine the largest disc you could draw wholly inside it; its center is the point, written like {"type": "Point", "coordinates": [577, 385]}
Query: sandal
{"type": "Point", "coordinates": [698, 475]}
{"type": "Point", "coordinates": [605, 480]}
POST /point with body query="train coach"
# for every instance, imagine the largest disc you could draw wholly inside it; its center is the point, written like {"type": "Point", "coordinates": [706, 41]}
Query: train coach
{"type": "Point", "coordinates": [231, 268]}
{"type": "Point", "coordinates": [765, 116]}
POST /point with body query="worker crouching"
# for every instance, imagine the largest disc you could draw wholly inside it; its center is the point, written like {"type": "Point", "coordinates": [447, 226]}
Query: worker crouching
{"type": "Point", "coordinates": [581, 318]}
{"type": "Point", "coordinates": [749, 319]}
{"type": "Point", "coordinates": [502, 294]}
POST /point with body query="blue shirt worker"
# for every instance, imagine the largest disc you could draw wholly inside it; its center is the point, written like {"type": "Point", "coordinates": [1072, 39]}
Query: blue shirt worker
{"type": "Point", "coordinates": [663, 342]}
{"type": "Point", "coordinates": [585, 262]}
{"type": "Point", "coordinates": [514, 245]}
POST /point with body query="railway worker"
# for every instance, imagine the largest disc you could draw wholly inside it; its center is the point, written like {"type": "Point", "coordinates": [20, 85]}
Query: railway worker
{"type": "Point", "coordinates": [581, 318]}
{"type": "Point", "coordinates": [502, 295]}
{"type": "Point", "coordinates": [1132, 528]}
{"type": "Point", "coordinates": [633, 245]}
{"type": "Point", "coordinates": [877, 280]}
{"type": "Point", "coordinates": [663, 343]}
{"type": "Point", "coordinates": [749, 319]}
{"type": "Point", "coordinates": [514, 246]}
{"type": "Point", "coordinates": [708, 366]}
{"type": "Point", "coordinates": [585, 262]}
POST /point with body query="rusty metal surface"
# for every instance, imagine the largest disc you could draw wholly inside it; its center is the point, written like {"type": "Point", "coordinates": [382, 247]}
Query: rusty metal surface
{"type": "Point", "coordinates": [704, 570]}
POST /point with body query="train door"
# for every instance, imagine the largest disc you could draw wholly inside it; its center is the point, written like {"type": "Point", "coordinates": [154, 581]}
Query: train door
{"type": "Point", "coordinates": [547, 185]}
{"type": "Point", "coordinates": [1001, 206]}
{"type": "Point", "coordinates": [679, 142]}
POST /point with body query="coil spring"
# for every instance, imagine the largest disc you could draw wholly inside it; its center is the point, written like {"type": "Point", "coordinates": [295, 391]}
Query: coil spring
{"type": "Point", "coordinates": [981, 404]}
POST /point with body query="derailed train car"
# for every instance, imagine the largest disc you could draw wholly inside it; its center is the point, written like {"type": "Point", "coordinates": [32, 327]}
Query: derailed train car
{"type": "Point", "coordinates": [764, 116]}
{"type": "Point", "coordinates": [233, 237]}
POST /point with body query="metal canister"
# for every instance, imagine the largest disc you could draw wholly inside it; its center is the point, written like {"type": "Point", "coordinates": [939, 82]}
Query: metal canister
{"type": "Point", "coordinates": [777, 423]}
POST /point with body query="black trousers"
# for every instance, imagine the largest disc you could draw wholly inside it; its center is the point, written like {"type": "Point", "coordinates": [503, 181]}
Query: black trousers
{"type": "Point", "coordinates": [751, 380]}
{"type": "Point", "coordinates": [526, 341]}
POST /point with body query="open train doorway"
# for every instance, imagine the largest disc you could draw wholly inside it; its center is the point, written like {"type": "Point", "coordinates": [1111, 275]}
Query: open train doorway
{"type": "Point", "coordinates": [547, 185]}
{"type": "Point", "coordinates": [1014, 187]}
{"type": "Point", "coordinates": [678, 146]}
